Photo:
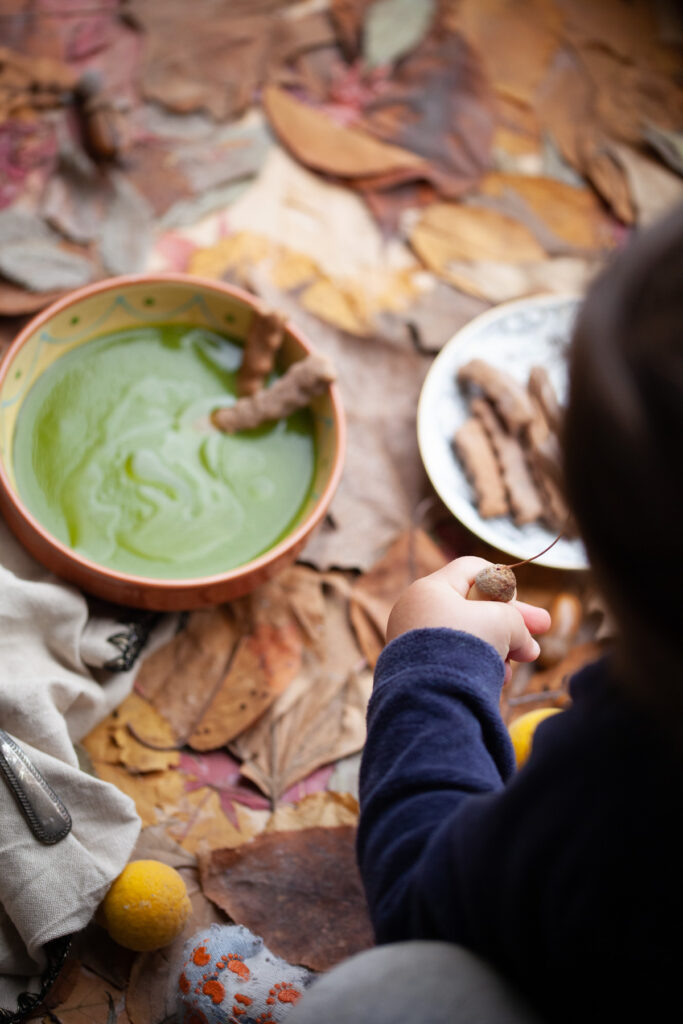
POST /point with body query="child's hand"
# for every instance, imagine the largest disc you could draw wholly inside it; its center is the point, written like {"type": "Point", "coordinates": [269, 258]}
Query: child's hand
{"type": "Point", "coordinates": [441, 600]}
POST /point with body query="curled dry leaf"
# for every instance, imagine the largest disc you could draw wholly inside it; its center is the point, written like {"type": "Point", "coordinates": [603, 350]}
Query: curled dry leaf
{"type": "Point", "coordinates": [323, 144]}
{"type": "Point", "coordinates": [299, 890]}
{"type": "Point", "coordinates": [112, 741]}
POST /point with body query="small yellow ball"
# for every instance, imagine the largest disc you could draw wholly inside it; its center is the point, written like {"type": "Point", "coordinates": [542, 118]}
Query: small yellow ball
{"type": "Point", "coordinates": [146, 907]}
{"type": "Point", "coordinates": [522, 731]}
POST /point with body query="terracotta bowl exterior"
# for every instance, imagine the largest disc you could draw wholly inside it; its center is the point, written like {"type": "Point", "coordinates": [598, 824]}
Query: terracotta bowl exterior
{"type": "Point", "coordinates": [117, 304]}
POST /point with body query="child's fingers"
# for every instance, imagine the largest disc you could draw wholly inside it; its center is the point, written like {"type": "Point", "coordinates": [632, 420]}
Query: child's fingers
{"type": "Point", "coordinates": [460, 573]}
{"type": "Point", "coordinates": [536, 620]}
{"type": "Point", "coordinates": [523, 647]}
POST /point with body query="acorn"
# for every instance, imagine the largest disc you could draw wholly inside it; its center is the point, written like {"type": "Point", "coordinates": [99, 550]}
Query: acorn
{"type": "Point", "coordinates": [494, 583]}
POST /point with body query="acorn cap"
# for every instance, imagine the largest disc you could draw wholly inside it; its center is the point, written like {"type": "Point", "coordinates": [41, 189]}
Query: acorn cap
{"type": "Point", "coordinates": [497, 582]}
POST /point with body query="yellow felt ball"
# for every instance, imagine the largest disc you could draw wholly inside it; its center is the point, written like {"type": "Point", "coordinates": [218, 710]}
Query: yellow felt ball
{"type": "Point", "coordinates": [522, 731]}
{"type": "Point", "coordinates": [146, 906]}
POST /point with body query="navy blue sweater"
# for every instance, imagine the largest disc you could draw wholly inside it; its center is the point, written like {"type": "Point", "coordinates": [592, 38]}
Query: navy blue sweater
{"type": "Point", "coordinates": [567, 875]}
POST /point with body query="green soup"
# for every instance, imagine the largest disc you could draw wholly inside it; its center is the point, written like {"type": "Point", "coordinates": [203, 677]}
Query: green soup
{"type": "Point", "coordinates": [114, 456]}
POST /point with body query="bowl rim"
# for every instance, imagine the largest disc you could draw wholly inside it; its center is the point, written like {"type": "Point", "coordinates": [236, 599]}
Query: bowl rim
{"type": "Point", "coordinates": [293, 540]}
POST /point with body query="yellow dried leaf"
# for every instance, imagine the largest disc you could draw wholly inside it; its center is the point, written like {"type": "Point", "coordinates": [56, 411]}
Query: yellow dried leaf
{"type": "Point", "coordinates": [152, 793]}
{"type": "Point", "coordinates": [200, 824]}
{"type": "Point", "coordinates": [112, 742]}
{"type": "Point", "coordinates": [235, 252]}
{"type": "Point", "coordinates": [325, 810]}
{"type": "Point", "coordinates": [448, 233]}
{"type": "Point", "coordinates": [572, 214]}
{"type": "Point", "coordinates": [334, 305]}
{"type": "Point", "coordinates": [292, 270]}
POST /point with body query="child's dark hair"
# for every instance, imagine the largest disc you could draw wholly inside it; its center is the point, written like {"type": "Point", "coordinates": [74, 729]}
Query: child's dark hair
{"type": "Point", "coordinates": [622, 451]}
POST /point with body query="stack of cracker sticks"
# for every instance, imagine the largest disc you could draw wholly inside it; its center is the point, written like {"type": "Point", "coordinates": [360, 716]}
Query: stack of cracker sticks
{"type": "Point", "coordinates": [509, 446]}
{"type": "Point", "coordinates": [258, 404]}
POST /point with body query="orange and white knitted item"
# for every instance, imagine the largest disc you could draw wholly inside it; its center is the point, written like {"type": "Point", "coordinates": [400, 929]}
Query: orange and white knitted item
{"type": "Point", "coordinates": [230, 977]}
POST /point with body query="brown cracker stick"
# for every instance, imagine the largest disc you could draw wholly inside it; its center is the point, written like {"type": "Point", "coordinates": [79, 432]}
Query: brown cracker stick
{"type": "Point", "coordinates": [295, 389]}
{"type": "Point", "coordinates": [479, 461]}
{"type": "Point", "coordinates": [510, 399]}
{"type": "Point", "coordinates": [523, 496]}
{"type": "Point", "coordinates": [544, 458]}
{"type": "Point", "coordinates": [541, 389]}
{"type": "Point", "coordinates": [263, 341]}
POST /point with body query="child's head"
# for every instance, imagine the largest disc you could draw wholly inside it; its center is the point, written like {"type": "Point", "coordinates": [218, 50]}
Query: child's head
{"type": "Point", "coordinates": [622, 446]}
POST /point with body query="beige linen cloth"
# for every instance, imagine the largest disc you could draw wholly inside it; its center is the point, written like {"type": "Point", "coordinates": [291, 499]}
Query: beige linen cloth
{"type": "Point", "coordinates": [53, 690]}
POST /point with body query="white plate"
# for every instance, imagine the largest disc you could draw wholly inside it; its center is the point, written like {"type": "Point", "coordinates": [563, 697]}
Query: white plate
{"type": "Point", "coordinates": [514, 337]}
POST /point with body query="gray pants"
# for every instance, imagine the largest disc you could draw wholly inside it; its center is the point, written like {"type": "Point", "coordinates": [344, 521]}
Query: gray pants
{"type": "Point", "coordinates": [416, 982]}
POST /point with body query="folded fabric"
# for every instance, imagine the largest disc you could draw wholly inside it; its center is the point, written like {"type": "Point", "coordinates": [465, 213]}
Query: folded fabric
{"type": "Point", "coordinates": [54, 688]}
{"type": "Point", "coordinates": [228, 974]}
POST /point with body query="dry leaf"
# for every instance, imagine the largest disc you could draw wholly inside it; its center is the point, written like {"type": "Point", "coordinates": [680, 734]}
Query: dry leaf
{"type": "Point", "coordinates": [412, 556]}
{"type": "Point", "coordinates": [655, 191]}
{"type": "Point", "coordinates": [500, 282]}
{"type": "Point", "coordinates": [438, 106]}
{"type": "Point", "coordinates": [200, 824]}
{"type": "Point", "coordinates": [553, 210]}
{"type": "Point", "coordinates": [318, 719]}
{"type": "Point", "coordinates": [113, 742]}
{"type": "Point", "coordinates": [152, 792]}
{"type": "Point", "coordinates": [92, 1001]}
{"type": "Point", "coordinates": [516, 47]}
{"type": "Point", "coordinates": [180, 678]}
{"type": "Point", "coordinates": [266, 659]}
{"type": "Point", "coordinates": [300, 891]}
{"type": "Point", "coordinates": [325, 145]}
{"type": "Point", "coordinates": [554, 681]}
{"type": "Point", "coordinates": [317, 810]}
{"type": "Point", "coordinates": [448, 232]}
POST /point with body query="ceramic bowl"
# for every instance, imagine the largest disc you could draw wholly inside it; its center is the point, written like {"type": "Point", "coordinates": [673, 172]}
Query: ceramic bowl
{"type": "Point", "coordinates": [128, 302]}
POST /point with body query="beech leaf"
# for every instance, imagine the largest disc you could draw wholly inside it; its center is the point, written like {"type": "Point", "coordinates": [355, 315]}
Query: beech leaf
{"type": "Point", "coordinates": [393, 28]}
{"type": "Point", "coordinates": [300, 891]}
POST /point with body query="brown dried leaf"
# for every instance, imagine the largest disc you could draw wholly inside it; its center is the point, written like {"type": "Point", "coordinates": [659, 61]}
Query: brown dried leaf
{"type": "Point", "coordinates": [447, 233]}
{"type": "Point", "coordinates": [317, 810]}
{"type": "Point", "coordinates": [412, 556]}
{"type": "Point", "coordinates": [325, 145]}
{"type": "Point", "coordinates": [92, 1001]}
{"type": "Point", "coordinates": [319, 718]}
{"type": "Point", "coordinates": [654, 189]}
{"type": "Point", "coordinates": [180, 678]}
{"type": "Point", "coordinates": [553, 210]}
{"type": "Point", "coordinates": [299, 890]}
{"type": "Point", "coordinates": [438, 106]}
{"type": "Point", "coordinates": [16, 301]}
{"type": "Point", "coordinates": [264, 664]}
{"type": "Point", "coordinates": [516, 48]}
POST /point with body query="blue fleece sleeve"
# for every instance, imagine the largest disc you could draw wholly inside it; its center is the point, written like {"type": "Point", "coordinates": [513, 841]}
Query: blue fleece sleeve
{"type": "Point", "coordinates": [435, 739]}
